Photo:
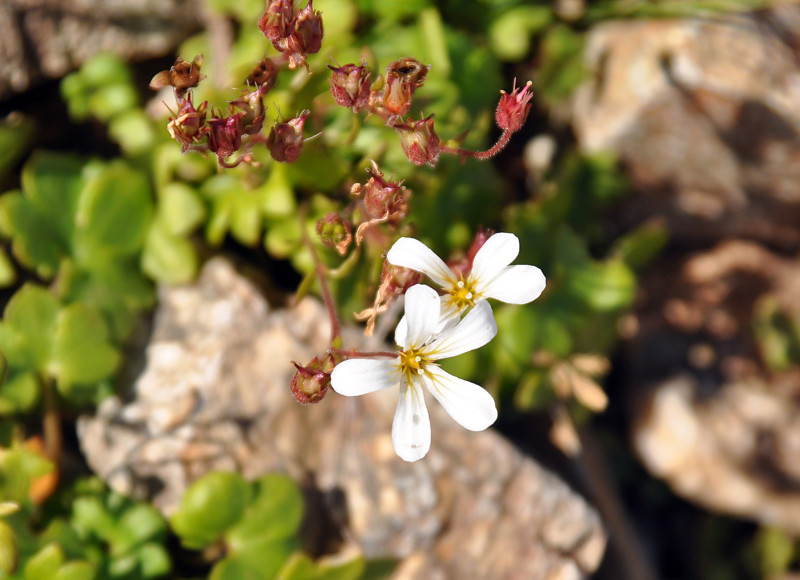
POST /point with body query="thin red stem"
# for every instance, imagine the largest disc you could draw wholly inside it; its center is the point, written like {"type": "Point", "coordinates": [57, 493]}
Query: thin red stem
{"type": "Point", "coordinates": [488, 154]}
{"type": "Point", "coordinates": [359, 354]}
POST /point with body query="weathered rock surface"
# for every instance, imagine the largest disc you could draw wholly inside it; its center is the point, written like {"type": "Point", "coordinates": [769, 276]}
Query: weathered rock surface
{"type": "Point", "coordinates": [720, 425]}
{"type": "Point", "coordinates": [45, 39]}
{"type": "Point", "coordinates": [214, 395]}
{"type": "Point", "coordinates": [705, 114]}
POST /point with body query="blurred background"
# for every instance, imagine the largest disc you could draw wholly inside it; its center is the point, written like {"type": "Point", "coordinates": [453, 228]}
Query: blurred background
{"type": "Point", "coordinates": [649, 400]}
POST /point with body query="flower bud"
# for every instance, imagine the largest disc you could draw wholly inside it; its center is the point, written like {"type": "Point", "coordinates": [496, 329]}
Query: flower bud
{"type": "Point", "coordinates": [382, 197]}
{"type": "Point", "coordinates": [285, 140]}
{"type": "Point", "coordinates": [252, 106]}
{"type": "Point", "coordinates": [183, 75]}
{"type": "Point", "coordinates": [419, 140]}
{"type": "Point", "coordinates": [310, 383]}
{"type": "Point", "coordinates": [305, 39]}
{"type": "Point", "coordinates": [350, 86]}
{"type": "Point", "coordinates": [513, 109]}
{"type": "Point", "coordinates": [335, 232]}
{"type": "Point", "coordinates": [187, 126]}
{"type": "Point", "coordinates": [462, 267]}
{"type": "Point", "coordinates": [276, 22]}
{"type": "Point", "coordinates": [225, 135]}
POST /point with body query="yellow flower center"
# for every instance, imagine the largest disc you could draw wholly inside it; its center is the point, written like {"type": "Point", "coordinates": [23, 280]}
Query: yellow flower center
{"type": "Point", "coordinates": [463, 295]}
{"type": "Point", "coordinates": [412, 362]}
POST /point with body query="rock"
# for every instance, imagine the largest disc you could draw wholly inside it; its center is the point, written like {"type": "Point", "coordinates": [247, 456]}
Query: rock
{"type": "Point", "coordinates": [46, 39]}
{"type": "Point", "coordinates": [705, 114]}
{"type": "Point", "coordinates": [214, 394]}
{"type": "Point", "coordinates": [720, 422]}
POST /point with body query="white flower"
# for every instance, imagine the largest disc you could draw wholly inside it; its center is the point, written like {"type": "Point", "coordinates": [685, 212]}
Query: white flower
{"type": "Point", "coordinates": [491, 276]}
{"type": "Point", "coordinates": [469, 404]}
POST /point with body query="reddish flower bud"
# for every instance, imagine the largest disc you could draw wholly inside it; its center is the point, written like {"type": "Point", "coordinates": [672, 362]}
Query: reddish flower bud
{"type": "Point", "coordinates": [513, 109]}
{"type": "Point", "coordinates": [335, 232]}
{"type": "Point", "coordinates": [305, 39]}
{"type": "Point", "coordinates": [276, 22]}
{"type": "Point", "coordinates": [382, 198]}
{"type": "Point", "coordinates": [463, 266]}
{"type": "Point", "coordinates": [350, 86]}
{"type": "Point", "coordinates": [186, 128]}
{"type": "Point", "coordinates": [285, 140]}
{"type": "Point", "coordinates": [403, 77]}
{"type": "Point", "coordinates": [310, 383]}
{"type": "Point", "coordinates": [252, 106]}
{"type": "Point", "coordinates": [264, 75]}
{"type": "Point", "coordinates": [419, 140]}
{"type": "Point", "coordinates": [183, 75]}
{"type": "Point", "coordinates": [225, 135]}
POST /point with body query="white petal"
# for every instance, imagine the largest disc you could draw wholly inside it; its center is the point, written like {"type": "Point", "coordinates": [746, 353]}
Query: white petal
{"type": "Point", "coordinates": [469, 404]}
{"type": "Point", "coordinates": [401, 333]}
{"type": "Point", "coordinates": [358, 376]}
{"type": "Point", "coordinates": [422, 314]}
{"type": "Point", "coordinates": [475, 329]}
{"type": "Point", "coordinates": [411, 429]}
{"type": "Point", "coordinates": [448, 318]}
{"type": "Point", "coordinates": [516, 285]}
{"type": "Point", "coordinates": [495, 254]}
{"type": "Point", "coordinates": [411, 253]}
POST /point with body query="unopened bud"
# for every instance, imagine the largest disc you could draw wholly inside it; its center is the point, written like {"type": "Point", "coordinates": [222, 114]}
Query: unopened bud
{"type": "Point", "coordinates": [513, 109]}
{"type": "Point", "coordinates": [310, 383]}
{"type": "Point", "coordinates": [252, 106]}
{"type": "Point", "coordinates": [183, 75]}
{"type": "Point", "coordinates": [350, 86]}
{"type": "Point", "coordinates": [335, 232]}
{"type": "Point", "coordinates": [383, 197]}
{"type": "Point", "coordinates": [462, 267]}
{"type": "Point", "coordinates": [276, 22]}
{"type": "Point", "coordinates": [225, 135]}
{"type": "Point", "coordinates": [305, 39]}
{"type": "Point", "coordinates": [285, 140]}
{"type": "Point", "coordinates": [419, 140]}
{"type": "Point", "coordinates": [186, 127]}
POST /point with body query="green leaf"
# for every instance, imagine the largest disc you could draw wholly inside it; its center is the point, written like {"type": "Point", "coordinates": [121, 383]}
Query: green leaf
{"type": "Point", "coordinates": [115, 211]}
{"type": "Point", "coordinates": [45, 563]}
{"type": "Point", "coordinates": [112, 100]}
{"type": "Point", "coordinates": [512, 32]}
{"type": "Point", "coordinates": [168, 258]}
{"type": "Point", "coordinates": [27, 328]}
{"type": "Point", "coordinates": [19, 393]}
{"type": "Point", "coordinates": [180, 209]}
{"type": "Point", "coordinates": [16, 133]}
{"type": "Point", "coordinates": [8, 274]}
{"type": "Point", "coordinates": [210, 506]}
{"type": "Point", "coordinates": [642, 245]}
{"type": "Point", "coordinates": [154, 560]}
{"type": "Point", "coordinates": [40, 220]}
{"type": "Point", "coordinates": [267, 555]}
{"type": "Point", "coordinates": [81, 351]}
{"type": "Point", "coordinates": [76, 570]}
{"type": "Point", "coordinates": [9, 552]}
{"type": "Point", "coordinates": [232, 568]}
{"type": "Point", "coordinates": [604, 286]}
{"type": "Point", "coordinates": [277, 196]}
{"type": "Point", "coordinates": [276, 512]}
{"type": "Point", "coordinates": [133, 131]}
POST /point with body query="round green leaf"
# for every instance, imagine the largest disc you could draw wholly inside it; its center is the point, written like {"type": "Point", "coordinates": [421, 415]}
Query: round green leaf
{"type": "Point", "coordinates": [154, 560]}
{"type": "Point", "coordinates": [27, 328]}
{"type": "Point", "coordinates": [115, 210]}
{"type": "Point", "coordinates": [168, 258]}
{"type": "Point", "coordinates": [45, 563]}
{"type": "Point", "coordinates": [76, 570]}
{"type": "Point", "coordinates": [603, 286]}
{"type": "Point", "coordinates": [111, 100]}
{"type": "Point", "coordinates": [276, 512]}
{"type": "Point", "coordinates": [81, 351]}
{"type": "Point", "coordinates": [180, 209]}
{"type": "Point", "coordinates": [133, 131]}
{"type": "Point", "coordinates": [19, 393]}
{"type": "Point", "coordinates": [210, 506]}
{"type": "Point", "coordinates": [232, 568]}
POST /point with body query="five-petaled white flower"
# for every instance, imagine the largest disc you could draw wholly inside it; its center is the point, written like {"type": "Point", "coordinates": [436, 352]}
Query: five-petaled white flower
{"type": "Point", "coordinates": [469, 404]}
{"type": "Point", "coordinates": [491, 276]}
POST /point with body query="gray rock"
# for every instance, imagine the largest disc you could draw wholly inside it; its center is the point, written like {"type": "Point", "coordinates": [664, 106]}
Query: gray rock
{"type": "Point", "coordinates": [46, 39]}
{"type": "Point", "coordinates": [705, 114]}
{"type": "Point", "coordinates": [214, 394]}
